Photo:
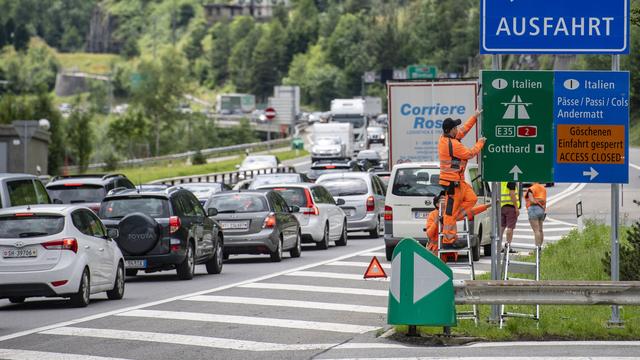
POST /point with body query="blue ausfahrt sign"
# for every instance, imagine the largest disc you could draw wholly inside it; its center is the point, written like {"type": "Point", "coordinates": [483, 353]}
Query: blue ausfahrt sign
{"type": "Point", "coordinates": [591, 118]}
{"type": "Point", "coordinates": [554, 26]}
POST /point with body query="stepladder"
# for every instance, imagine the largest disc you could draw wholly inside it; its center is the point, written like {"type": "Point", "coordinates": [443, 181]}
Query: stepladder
{"type": "Point", "coordinates": [451, 253]}
{"type": "Point", "coordinates": [515, 268]}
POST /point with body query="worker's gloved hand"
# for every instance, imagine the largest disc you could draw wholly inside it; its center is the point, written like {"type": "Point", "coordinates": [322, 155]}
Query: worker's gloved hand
{"type": "Point", "coordinates": [483, 139]}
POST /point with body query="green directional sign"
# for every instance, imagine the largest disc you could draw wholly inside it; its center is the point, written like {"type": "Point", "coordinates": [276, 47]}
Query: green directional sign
{"type": "Point", "coordinates": [518, 123]}
{"type": "Point", "coordinates": [421, 288]}
{"type": "Point", "coordinates": [417, 72]}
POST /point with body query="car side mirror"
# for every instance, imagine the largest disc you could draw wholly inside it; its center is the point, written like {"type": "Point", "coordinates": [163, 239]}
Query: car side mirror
{"type": "Point", "coordinates": [113, 233]}
{"type": "Point", "coordinates": [340, 202]}
{"type": "Point", "coordinates": [294, 209]}
{"type": "Point", "coordinates": [212, 211]}
{"type": "Point", "coordinates": [57, 201]}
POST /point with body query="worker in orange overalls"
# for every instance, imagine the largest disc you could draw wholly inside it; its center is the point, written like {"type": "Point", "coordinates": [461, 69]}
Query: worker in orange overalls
{"type": "Point", "coordinates": [460, 197]}
{"type": "Point", "coordinates": [432, 227]}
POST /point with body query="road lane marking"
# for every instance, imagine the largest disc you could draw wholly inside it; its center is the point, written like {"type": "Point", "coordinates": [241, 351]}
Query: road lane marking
{"type": "Point", "coordinates": [549, 343]}
{"type": "Point", "coordinates": [357, 264]}
{"type": "Point", "coordinates": [180, 297]}
{"type": "Point", "coordinates": [492, 358]}
{"type": "Point", "coordinates": [546, 229]}
{"type": "Point", "coordinates": [320, 289]}
{"type": "Point", "coordinates": [251, 320]}
{"type": "Point", "coordinates": [14, 354]}
{"type": "Point", "coordinates": [634, 166]}
{"type": "Point", "coordinates": [289, 303]}
{"type": "Point", "coordinates": [564, 194]}
{"type": "Point", "coordinates": [378, 254]}
{"type": "Point", "coordinates": [331, 275]}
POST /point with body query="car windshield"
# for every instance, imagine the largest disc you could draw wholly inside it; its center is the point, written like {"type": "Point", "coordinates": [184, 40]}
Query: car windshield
{"type": "Point", "coordinates": [356, 120]}
{"type": "Point", "coordinates": [328, 141]}
{"type": "Point", "coordinates": [239, 203]}
{"type": "Point", "coordinates": [259, 159]}
{"type": "Point", "coordinates": [345, 186]}
{"type": "Point", "coordinates": [274, 179]}
{"type": "Point", "coordinates": [417, 182]}
{"type": "Point", "coordinates": [293, 196]}
{"type": "Point", "coordinates": [71, 194]}
{"type": "Point", "coordinates": [120, 207]}
{"type": "Point", "coordinates": [29, 225]}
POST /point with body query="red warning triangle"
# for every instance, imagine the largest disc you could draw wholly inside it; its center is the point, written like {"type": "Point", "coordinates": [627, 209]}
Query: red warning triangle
{"type": "Point", "coordinates": [374, 270]}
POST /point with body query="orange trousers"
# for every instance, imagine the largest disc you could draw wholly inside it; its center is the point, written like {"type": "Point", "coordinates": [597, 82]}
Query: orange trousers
{"type": "Point", "coordinates": [460, 204]}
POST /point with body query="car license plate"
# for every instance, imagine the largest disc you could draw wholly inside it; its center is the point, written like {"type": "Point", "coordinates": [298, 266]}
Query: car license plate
{"type": "Point", "coordinates": [20, 253]}
{"type": "Point", "coordinates": [350, 212]}
{"type": "Point", "coordinates": [419, 214]}
{"type": "Point", "coordinates": [135, 264]}
{"type": "Point", "coordinates": [234, 225]}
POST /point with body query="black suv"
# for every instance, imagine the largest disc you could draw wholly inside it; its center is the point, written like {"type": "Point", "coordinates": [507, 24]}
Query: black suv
{"type": "Point", "coordinates": [163, 230]}
{"type": "Point", "coordinates": [88, 190]}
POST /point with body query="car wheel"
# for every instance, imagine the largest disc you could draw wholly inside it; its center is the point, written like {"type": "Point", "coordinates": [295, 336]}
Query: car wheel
{"type": "Point", "coordinates": [186, 269]}
{"type": "Point", "coordinates": [131, 272]}
{"type": "Point", "coordinates": [343, 237]}
{"type": "Point", "coordinates": [389, 252]}
{"type": "Point", "coordinates": [81, 298]}
{"type": "Point", "coordinates": [324, 243]}
{"type": "Point", "coordinates": [118, 286]}
{"type": "Point", "coordinates": [375, 233]}
{"type": "Point", "coordinates": [214, 265]}
{"type": "Point", "coordinates": [276, 255]}
{"type": "Point", "coordinates": [475, 252]}
{"type": "Point", "coordinates": [297, 249]}
{"type": "Point", "coordinates": [17, 299]}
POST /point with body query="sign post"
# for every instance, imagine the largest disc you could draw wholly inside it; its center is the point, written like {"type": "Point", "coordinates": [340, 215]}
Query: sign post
{"type": "Point", "coordinates": [270, 114]}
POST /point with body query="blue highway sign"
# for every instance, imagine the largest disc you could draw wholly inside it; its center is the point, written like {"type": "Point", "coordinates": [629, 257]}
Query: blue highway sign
{"type": "Point", "coordinates": [591, 118]}
{"type": "Point", "coordinates": [554, 26]}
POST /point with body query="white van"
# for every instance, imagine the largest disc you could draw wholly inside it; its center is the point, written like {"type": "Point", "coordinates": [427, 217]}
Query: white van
{"type": "Point", "coordinates": [409, 200]}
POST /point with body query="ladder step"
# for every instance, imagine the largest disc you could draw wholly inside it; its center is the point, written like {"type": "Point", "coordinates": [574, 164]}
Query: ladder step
{"type": "Point", "coordinates": [523, 246]}
{"type": "Point", "coordinates": [520, 315]}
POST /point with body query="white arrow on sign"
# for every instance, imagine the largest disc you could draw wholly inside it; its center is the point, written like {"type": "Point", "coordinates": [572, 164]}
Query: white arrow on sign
{"type": "Point", "coordinates": [515, 171]}
{"type": "Point", "coordinates": [426, 277]}
{"type": "Point", "coordinates": [592, 173]}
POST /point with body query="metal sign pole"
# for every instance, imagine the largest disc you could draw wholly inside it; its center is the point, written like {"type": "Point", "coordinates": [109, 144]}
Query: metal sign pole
{"type": "Point", "coordinates": [615, 216]}
{"type": "Point", "coordinates": [496, 64]}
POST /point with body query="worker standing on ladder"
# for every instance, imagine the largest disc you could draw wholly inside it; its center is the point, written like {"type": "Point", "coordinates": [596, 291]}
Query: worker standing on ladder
{"type": "Point", "coordinates": [432, 226]}
{"type": "Point", "coordinates": [509, 212]}
{"type": "Point", "coordinates": [459, 195]}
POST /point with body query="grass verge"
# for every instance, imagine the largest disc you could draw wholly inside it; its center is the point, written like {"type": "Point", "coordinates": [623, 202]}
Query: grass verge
{"type": "Point", "coordinates": [578, 256]}
{"type": "Point", "coordinates": [141, 175]}
{"type": "Point", "coordinates": [88, 62]}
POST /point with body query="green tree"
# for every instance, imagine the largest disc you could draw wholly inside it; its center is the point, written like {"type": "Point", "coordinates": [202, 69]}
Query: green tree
{"type": "Point", "coordinates": [268, 60]}
{"type": "Point", "coordinates": [129, 133]}
{"type": "Point", "coordinates": [240, 63]}
{"type": "Point", "coordinates": [193, 47]}
{"type": "Point", "coordinates": [33, 71]}
{"type": "Point", "coordinates": [302, 30]}
{"type": "Point", "coordinates": [217, 49]}
{"type": "Point", "coordinates": [21, 38]}
{"type": "Point", "coordinates": [79, 136]}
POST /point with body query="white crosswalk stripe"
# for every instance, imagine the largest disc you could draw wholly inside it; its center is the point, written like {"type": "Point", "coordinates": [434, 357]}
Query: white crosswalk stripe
{"type": "Point", "coordinates": [15, 354]}
{"type": "Point", "coordinates": [319, 289]}
{"type": "Point", "coordinates": [331, 275]}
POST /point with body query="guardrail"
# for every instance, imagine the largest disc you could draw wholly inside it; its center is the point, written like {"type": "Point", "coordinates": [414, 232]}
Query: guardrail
{"type": "Point", "coordinates": [515, 292]}
{"type": "Point", "coordinates": [230, 177]}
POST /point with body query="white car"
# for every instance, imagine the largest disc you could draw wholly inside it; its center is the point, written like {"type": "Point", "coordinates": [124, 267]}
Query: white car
{"type": "Point", "coordinates": [257, 162]}
{"type": "Point", "coordinates": [58, 251]}
{"type": "Point", "coordinates": [327, 148]}
{"type": "Point", "coordinates": [409, 200]}
{"type": "Point", "coordinates": [320, 217]}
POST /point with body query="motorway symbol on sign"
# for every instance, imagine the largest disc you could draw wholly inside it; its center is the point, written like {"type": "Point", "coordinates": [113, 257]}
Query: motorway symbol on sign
{"type": "Point", "coordinates": [591, 116]}
{"type": "Point", "coordinates": [554, 26]}
{"type": "Point", "coordinates": [421, 288]}
{"type": "Point", "coordinates": [270, 113]}
{"type": "Point", "coordinates": [517, 121]}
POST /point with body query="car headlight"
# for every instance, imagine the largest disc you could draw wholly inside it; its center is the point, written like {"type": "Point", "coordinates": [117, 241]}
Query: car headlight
{"type": "Point", "coordinates": [381, 136]}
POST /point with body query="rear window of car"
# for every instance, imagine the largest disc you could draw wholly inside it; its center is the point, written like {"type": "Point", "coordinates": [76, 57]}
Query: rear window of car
{"type": "Point", "coordinates": [203, 190]}
{"type": "Point", "coordinates": [118, 208]}
{"type": "Point", "coordinates": [293, 196]}
{"type": "Point", "coordinates": [71, 194]}
{"type": "Point", "coordinates": [274, 179]}
{"type": "Point", "coordinates": [416, 182]}
{"type": "Point", "coordinates": [314, 173]}
{"type": "Point", "coordinates": [239, 203]}
{"type": "Point", "coordinates": [29, 225]}
{"type": "Point", "coordinates": [345, 186]}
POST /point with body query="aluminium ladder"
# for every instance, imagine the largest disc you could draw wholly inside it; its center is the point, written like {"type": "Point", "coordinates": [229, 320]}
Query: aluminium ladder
{"type": "Point", "coordinates": [520, 267]}
{"type": "Point", "coordinates": [466, 250]}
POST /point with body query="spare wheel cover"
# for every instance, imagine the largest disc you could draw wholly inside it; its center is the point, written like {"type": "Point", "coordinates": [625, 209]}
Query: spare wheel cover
{"type": "Point", "coordinates": [138, 233]}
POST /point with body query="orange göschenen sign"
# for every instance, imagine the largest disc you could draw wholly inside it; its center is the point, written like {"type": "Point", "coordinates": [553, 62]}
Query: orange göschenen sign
{"type": "Point", "coordinates": [590, 144]}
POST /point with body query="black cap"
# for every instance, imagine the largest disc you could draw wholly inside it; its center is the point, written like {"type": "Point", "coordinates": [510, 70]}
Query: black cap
{"type": "Point", "coordinates": [449, 124]}
{"type": "Point", "coordinates": [436, 200]}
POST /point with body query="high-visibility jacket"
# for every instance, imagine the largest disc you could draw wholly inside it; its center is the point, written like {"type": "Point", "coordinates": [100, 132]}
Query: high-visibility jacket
{"type": "Point", "coordinates": [432, 231]}
{"type": "Point", "coordinates": [539, 196]}
{"type": "Point", "coordinates": [453, 155]}
{"type": "Point", "coordinates": [505, 198]}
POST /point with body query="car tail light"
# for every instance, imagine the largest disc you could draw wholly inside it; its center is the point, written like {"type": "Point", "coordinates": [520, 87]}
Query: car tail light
{"type": "Point", "coordinates": [175, 245]}
{"type": "Point", "coordinates": [73, 184]}
{"type": "Point", "coordinates": [388, 212]}
{"type": "Point", "coordinates": [64, 244]}
{"type": "Point", "coordinates": [269, 221]}
{"type": "Point", "coordinates": [59, 283]}
{"type": "Point", "coordinates": [371, 203]}
{"type": "Point", "coordinates": [24, 214]}
{"type": "Point", "coordinates": [174, 224]}
{"type": "Point", "coordinates": [311, 208]}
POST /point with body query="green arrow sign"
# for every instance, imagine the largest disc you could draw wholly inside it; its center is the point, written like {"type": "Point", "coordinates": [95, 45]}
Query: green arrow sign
{"type": "Point", "coordinates": [517, 121]}
{"type": "Point", "coordinates": [421, 289]}
{"type": "Point", "coordinates": [415, 72]}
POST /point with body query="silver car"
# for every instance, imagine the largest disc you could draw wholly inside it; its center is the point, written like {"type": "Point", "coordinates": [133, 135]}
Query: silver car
{"type": "Point", "coordinates": [320, 217]}
{"type": "Point", "coordinates": [363, 194]}
{"type": "Point", "coordinates": [327, 148]}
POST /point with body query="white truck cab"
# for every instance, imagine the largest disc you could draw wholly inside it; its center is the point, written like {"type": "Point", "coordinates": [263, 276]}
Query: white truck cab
{"type": "Point", "coordinates": [352, 111]}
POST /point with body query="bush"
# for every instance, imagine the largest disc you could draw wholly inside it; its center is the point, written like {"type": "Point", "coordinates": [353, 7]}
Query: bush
{"type": "Point", "coordinates": [110, 162]}
{"type": "Point", "coordinates": [198, 158]}
{"type": "Point", "coordinates": [629, 259]}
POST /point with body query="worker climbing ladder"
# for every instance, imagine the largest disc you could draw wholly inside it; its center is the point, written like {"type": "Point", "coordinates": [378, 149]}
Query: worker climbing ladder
{"type": "Point", "coordinates": [446, 250]}
{"type": "Point", "coordinates": [518, 267]}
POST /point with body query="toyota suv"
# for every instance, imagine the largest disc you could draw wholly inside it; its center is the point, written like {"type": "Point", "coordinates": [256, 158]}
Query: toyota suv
{"type": "Point", "coordinates": [163, 230]}
{"type": "Point", "coordinates": [88, 190]}
{"type": "Point", "coordinates": [409, 200]}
